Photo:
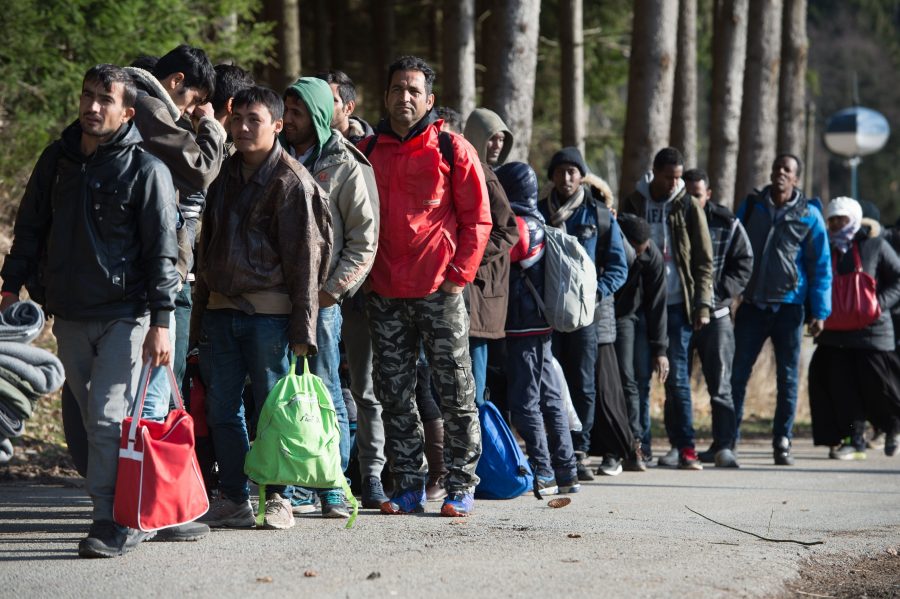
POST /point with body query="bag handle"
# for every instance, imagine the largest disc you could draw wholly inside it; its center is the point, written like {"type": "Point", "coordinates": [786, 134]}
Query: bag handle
{"type": "Point", "coordinates": [856, 259]}
{"type": "Point", "coordinates": [137, 407]}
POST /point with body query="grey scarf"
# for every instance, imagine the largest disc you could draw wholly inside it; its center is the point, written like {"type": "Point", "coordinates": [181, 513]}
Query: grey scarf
{"type": "Point", "coordinates": [559, 214]}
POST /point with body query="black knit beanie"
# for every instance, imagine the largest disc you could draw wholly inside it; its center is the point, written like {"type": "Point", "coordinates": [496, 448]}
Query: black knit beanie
{"type": "Point", "coordinates": [635, 229]}
{"type": "Point", "coordinates": [568, 155]}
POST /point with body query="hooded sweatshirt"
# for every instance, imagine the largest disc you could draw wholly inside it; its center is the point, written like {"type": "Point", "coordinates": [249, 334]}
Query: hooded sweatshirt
{"type": "Point", "coordinates": [657, 217]}
{"type": "Point", "coordinates": [481, 125]}
{"type": "Point", "coordinates": [317, 96]}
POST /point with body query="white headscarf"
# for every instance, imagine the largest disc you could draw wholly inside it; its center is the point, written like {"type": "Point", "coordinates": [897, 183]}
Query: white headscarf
{"type": "Point", "coordinates": [844, 206]}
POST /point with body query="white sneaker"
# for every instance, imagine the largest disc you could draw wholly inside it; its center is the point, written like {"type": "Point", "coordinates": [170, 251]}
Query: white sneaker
{"type": "Point", "coordinates": [278, 513]}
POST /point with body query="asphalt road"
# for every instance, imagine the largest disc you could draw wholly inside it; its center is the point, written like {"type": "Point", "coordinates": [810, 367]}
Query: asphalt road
{"type": "Point", "coordinates": [627, 536]}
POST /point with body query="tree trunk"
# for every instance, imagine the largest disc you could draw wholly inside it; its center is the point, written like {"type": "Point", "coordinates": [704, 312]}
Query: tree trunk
{"type": "Point", "coordinates": [792, 87]}
{"type": "Point", "coordinates": [339, 16]}
{"type": "Point", "coordinates": [458, 83]}
{"type": "Point", "coordinates": [322, 35]}
{"type": "Point", "coordinates": [759, 113]}
{"type": "Point", "coordinates": [512, 90]}
{"type": "Point", "coordinates": [286, 69]}
{"type": "Point", "coordinates": [571, 39]}
{"type": "Point", "coordinates": [383, 56]}
{"type": "Point", "coordinates": [729, 58]}
{"type": "Point", "coordinates": [651, 75]}
{"type": "Point", "coordinates": [684, 102]}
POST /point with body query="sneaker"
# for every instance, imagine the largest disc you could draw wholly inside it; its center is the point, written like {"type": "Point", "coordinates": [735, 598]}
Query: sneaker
{"type": "Point", "coordinates": [333, 504]}
{"type": "Point", "coordinates": [688, 460]}
{"type": "Point", "coordinates": [408, 502]}
{"type": "Point", "coordinates": [832, 452]}
{"type": "Point", "coordinates": [224, 512]}
{"type": "Point", "coordinates": [458, 504]}
{"type": "Point", "coordinates": [190, 531]}
{"type": "Point", "coordinates": [646, 455]}
{"type": "Point", "coordinates": [610, 466]}
{"type": "Point", "coordinates": [878, 441]}
{"type": "Point", "coordinates": [725, 458]}
{"type": "Point", "coordinates": [303, 501]}
{"type": "Point", "coordinates": [849, 452]}
{"type": "Point", "coordinates": [781, 452]}
{"type": "Point", "coordinates": [583, 472]}
{"type": "Point", "coordinates": [890, 445]}
{"type": "Point", "coordinates": [670, 460]}
{"type": "Point", "coordinates": [278, 513]}
{"type": "Point", "coordinates": [635, 463]}
{"type": "Point", "coordinates": [107, 539]}
{"type": "Point", "coordinates": [569, 486]}
{"type": "Point", "coordinates": [373, 493]}
{"type": "Point", "coordinates": [708, 456]}
{"type": "Point", "coordinates": [546, 485]}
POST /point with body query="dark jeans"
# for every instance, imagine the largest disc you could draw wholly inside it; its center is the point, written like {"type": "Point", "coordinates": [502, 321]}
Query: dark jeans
{"type": "Point", "coordinates": [753, 325]}
{"type": "Point", "coordinates": [183, 303]}
{"type": "Point", "coordinates": [234, 345]}
{"type": "Point", "coordinates": [633, 355]}
{"type": "Point", "coordinates": [577, 354]}
{"type": "Point", "coordinates": [538, 413]}
{"type": "Point", "coordinates": [679, 418]}
{"type": "Point", "coordinates": [715, 345]}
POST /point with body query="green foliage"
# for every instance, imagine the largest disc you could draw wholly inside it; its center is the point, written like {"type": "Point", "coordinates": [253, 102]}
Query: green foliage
{"type": "Point", "coordinates": [49, 44]}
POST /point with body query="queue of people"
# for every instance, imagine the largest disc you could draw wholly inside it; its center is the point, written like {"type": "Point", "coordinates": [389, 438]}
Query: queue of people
{"type": "Point", "coordinates": [188, 207]}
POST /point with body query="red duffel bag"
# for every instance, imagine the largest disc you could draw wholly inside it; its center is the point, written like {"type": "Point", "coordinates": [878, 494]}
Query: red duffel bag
{"type": "Point", "coordinates": [159, 483]}
{"type": "Point", "coordinates": [854, 297]}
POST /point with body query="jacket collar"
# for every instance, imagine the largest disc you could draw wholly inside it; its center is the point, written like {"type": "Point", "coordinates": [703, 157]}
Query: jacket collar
{"type": "Point", "coordinates": [127, 135]}
{"type": "Point", "coordinates": [148, 83]}
{"type": "Point", "coordinates": [263, 173]}
{"type": "Point", "coordinates": [384, 127]}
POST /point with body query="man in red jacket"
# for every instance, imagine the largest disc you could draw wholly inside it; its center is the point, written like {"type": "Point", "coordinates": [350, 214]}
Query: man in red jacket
{"type": "Point", "coordinates": [435, 222]}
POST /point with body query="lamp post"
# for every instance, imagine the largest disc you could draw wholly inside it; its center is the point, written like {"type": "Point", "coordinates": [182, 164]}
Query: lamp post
{"type": "Point", "coordinates": [853, 133]}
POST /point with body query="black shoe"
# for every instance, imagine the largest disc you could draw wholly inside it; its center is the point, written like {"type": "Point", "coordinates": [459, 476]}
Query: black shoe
{"type": "Point", "coordinates": [708, 456]}
{"type": "Point", "coordinates": [781, 452]}
{"type": "Point", "coordinates": [373, 493]}
{"type": "Point", "coordinates": [584, 473]}
{"type": "Point", "coordinates": [108, 539]}
{"type": "Point", "coordinates": [190, 531]}
{"type": "Point", "coordinates": [890, 445]}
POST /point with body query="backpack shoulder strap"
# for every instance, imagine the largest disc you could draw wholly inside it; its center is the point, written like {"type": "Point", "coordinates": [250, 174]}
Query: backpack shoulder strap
{"type": "Point", "coordinates": [371, 145]}
{"type": "Point", "coordinates": [445, 144]}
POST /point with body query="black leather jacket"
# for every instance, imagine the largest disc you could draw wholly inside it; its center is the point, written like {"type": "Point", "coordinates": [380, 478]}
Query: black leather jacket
{"type": "Point", "coordinates": [95, 235]}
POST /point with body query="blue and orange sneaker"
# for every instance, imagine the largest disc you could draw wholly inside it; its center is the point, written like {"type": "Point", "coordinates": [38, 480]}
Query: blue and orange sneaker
{"type": "Point", "coordinates": [408, 502]}
{"type": "Point", "coordinates": [457, 504]}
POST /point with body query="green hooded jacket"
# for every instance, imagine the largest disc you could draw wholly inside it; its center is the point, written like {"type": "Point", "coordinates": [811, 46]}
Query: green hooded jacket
{"type": "Point", "coordinates": [317, 96]}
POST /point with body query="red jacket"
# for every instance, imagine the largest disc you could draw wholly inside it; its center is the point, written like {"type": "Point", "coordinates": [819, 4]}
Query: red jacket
{"type": "Point", "coordinates": [431, 228]}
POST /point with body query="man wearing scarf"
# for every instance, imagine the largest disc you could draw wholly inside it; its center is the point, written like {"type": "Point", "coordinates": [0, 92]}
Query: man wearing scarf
{"type": "Point", "coordinates": [792, 266]}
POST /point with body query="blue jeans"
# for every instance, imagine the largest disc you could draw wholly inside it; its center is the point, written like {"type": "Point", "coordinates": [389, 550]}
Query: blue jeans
{"type": "Point", "coordinates": [577, 354]}
{"type": "Point", "coordinates": [478, 349]}
{"type": "Point", "coordinates": [159, 390]}
{"type": "Point", "coordinates": [753, 325]}
{"type": "Point", "coordinates": [183, 303]}
{"type": "Point", "coordinates": [234, 345]}
{"type": "Point", "coordinates": [326, 365]}
{"type": "Point", "coordinates": [679, 418]}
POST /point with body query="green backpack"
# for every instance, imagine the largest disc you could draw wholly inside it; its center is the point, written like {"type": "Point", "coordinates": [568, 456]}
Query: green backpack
{"type": "Point", "coordinates": [297, 439]}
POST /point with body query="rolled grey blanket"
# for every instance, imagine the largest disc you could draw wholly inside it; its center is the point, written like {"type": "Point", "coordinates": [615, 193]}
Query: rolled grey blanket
{"type": "Point", "coordinates": [6, 451]}
{"type": "Point", "coordinates": [10, 423]}
{"type": "Point", "coordinates": [22, 322]}
{"type": "Point", "coordinates": [41, 370]}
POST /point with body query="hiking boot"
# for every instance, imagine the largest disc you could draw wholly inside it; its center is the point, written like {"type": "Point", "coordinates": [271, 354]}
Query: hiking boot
{"type": "Point", "coordinates": [334, 505]}
{"type": "Point", "coordinates": [434, 489]}
{"type": "Point", "coordinates": [610, 466]}
{"type": "Point", "coordinates": [583, 472]}
{"type": "Point", "coordinates": [303, 501]}
{"type": "Point", "coordinates": [107, 539]}
{"type": "Point", "coordinates": [849, 452]}
{"type": "Point", "coordinates": [781, 452]}
{"type": "Point", "coordinates": [568, 486]}
{"type": "Point", "coordinates": [670, 460]}
{"type": "Point", "coordinates": [546, 485]}
{"type": "Point", "coordinates": [189, 531]}
{"type": "Point", "coordinates": [688, 460]}
{"type": "Point", "coordinates": [278, 513]}
{"type": "Point", "coordinates": [373, 493]}
{"type": "Point", "coordinates": [224, 512]}
{"type": "Point", "coordinates": [635, 463]}
{"type": "Point", "coordinates": [725, 458]}
{"type": "Point", "coordinates": [458, 504]}
{"type": "Point", "coordinates": [408, 502]}
{"type": "Point", "coordinates": [890, 445]}
{"type": "Point", "coordinates": [434, 456]}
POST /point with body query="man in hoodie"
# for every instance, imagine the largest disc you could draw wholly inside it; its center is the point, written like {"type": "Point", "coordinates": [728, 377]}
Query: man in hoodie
{"type": "Point", "coordinates": [92, 190]}
{"type": "Point", "coordinates": [489, 135]}
{"type": "Point", "coordinates": [342, 171]}
{"type": "Point", "coordinates": [344, 93]}
{"type": "Point", "coordinates": [792, 266]}
{"type": "Point", "coordinates": [435, 224]}
{"type": "Point", "coordinates": [678, 228]}
{"type": "Point", "coordinates": [263, 257]}
{"type": "Point", "coordinates": [573, 207]}
{"type": "Point", "coordinates": [732, 265]}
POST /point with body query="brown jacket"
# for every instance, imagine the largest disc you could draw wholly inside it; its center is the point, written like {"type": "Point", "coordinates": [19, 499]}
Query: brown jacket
{"type": "Point", "coordinates": [487, 293]}
{"type": "Point", "coordinates": [272, 233]}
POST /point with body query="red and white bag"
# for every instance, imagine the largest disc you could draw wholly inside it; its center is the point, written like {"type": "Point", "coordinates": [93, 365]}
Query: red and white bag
{"type": "Point", "coordinates": [159, 483]}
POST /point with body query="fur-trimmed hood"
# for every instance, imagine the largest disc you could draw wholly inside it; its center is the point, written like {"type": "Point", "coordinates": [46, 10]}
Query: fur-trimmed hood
{"type": "Point", "coordinates": [148, 83]}
{"type": "Point", "coordinates": [600, 189]}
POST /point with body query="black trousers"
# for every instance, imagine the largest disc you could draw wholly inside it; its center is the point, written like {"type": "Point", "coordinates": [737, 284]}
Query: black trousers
{"type": "Point", "coordinates": [611, 434]}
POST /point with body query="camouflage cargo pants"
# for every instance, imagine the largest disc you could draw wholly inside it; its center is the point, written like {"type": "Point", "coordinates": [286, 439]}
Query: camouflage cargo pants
{"type": "Point", "coordinates": [441, 322]}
